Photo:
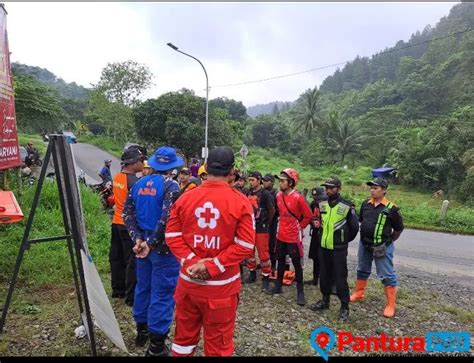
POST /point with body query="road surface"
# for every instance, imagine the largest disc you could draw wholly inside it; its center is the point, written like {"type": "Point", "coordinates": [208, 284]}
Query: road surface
{"type": "Point", "coordinates": [91, 159]}
{"type": "Point", "coordinates": [433, 252]}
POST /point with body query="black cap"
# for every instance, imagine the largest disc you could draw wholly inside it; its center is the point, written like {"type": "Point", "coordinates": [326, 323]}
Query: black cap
{"type": "Point", "coordinates": [378, 182]}
{"type": "Point", "coordinates": [131, 156]}
{"type": "Point", "coordinates": [332, 182]}
{"type": "Point", "coordinates": [220, 159]}
{"type": "Point", "coordinates": [255, 174]}
{"type": "Point", "coordinates": [269, 177]}
{"type": "Point", "coordinates": [185, 170]}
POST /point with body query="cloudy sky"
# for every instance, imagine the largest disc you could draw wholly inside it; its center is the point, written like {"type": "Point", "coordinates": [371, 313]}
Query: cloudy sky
{"type": "Point", "coordinates": [236, 41]}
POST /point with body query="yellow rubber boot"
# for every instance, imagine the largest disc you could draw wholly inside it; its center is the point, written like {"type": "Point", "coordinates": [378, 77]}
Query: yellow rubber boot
{"type": "Point", "coordinates": [359, 292]}
{"type": "Point", "coordinates": [390, 295]}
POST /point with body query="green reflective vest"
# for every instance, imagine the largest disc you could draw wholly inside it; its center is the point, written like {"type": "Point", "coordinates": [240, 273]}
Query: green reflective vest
{"type": "Point", "coordinates": [379, 226]}
{"type": "Point", "coordinates": [332, 220]}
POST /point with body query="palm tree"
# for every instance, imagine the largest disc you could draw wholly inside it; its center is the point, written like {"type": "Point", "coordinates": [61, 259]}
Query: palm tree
{"type": "Point", "coordinates": [343, 137]}
{"type": "Point", "coordinates": [308, 114]}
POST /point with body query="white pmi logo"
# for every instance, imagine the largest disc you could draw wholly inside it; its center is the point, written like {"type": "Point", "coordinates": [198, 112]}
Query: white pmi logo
{"type": "Point", "coordinates": [207, 216]}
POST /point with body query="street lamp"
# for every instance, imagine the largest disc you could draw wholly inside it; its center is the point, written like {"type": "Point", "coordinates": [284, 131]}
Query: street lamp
{"type": "Point", "coordinates": [174, 47]}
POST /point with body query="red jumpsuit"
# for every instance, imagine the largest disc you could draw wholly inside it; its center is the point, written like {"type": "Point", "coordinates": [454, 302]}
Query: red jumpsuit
{"type": "Point", "coordinates": [212, 221]}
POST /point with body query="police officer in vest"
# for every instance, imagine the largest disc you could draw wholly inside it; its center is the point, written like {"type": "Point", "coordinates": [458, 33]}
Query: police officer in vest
{"type": "Point", "coordinates": [339, 226]}
{"type": "Point", "coordinates": [381, 225]}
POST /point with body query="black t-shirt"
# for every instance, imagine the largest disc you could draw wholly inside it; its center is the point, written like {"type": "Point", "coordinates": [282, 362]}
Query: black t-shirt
{"type": "Point", "coordinates": [262, 202]}
{"type": "Point", "coordinates": [369, 216]}
{"type": "Point", "coordinates": [273, 192]}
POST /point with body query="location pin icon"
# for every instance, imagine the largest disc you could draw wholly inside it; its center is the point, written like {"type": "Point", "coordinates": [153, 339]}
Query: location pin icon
{"type": "Point", "coordinates": [322, 340]}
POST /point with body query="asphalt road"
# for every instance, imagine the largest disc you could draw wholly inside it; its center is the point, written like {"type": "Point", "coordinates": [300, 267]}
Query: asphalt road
{"type": "Point", "coordinates": [433, 252]}
{"type": "Point", "coordinates": [91, 159]}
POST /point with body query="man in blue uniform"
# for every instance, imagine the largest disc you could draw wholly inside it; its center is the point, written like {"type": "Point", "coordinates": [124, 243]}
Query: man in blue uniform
{"type": "Point", "coordinates": [145, 215]}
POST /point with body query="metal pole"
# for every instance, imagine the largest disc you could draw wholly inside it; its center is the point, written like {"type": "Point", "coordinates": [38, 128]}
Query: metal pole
{"type": "Point", "coordinates": [206, 133]}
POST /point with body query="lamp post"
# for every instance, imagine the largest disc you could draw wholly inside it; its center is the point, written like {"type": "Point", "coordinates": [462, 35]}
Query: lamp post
{"type": "Point", "coordinates": [205, 151]}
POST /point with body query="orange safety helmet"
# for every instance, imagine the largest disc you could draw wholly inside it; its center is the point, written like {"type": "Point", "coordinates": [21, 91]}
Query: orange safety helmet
{"type": "Point", "coordinates": [292, 174]}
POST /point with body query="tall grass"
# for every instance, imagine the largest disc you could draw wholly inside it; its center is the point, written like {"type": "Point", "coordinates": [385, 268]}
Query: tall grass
{"type": "Point", "coordinates": [49, 263]}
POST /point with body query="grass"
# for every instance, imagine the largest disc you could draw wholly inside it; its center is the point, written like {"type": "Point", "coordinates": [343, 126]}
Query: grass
{"type": "Point", "coordinates": [418, 208]}
{"type": "Point", "coordinates": [37, 141]}
{"type": "Point", "coordinates": [45, 263]}
{"type": "Point", "coordinates": [461, 314]}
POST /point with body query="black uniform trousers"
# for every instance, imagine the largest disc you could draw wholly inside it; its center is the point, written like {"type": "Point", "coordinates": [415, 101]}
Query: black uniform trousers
{"type": "Point", "coordinates": [122, 263]}
{"type": "Point", "coordinates": [333, 268]}
{"type": "Point", "coordinates": [272, 242]}
{"type": "Point", "coordinates": [283, 249]}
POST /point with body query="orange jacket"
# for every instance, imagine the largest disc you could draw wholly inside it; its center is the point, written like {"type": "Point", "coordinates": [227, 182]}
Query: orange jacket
{"type": "Point", "coordinates": [212, 221]}
{"type": "Point", "coordinates": [121, 185]}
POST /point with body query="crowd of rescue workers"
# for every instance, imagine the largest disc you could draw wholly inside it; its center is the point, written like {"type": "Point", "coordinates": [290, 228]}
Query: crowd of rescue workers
{"type": "Point", "coordinates": [183, 236]}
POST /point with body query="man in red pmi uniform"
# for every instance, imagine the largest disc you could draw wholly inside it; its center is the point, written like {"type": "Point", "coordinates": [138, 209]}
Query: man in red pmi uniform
{"type": "Point", "coordinates": [295, 215]}
{"type": "Point", "coordinates": [210, 230]}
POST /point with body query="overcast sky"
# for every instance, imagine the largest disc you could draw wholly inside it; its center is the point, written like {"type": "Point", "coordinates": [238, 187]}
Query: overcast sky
{"type": "Point", "coordinates": [235, 41]}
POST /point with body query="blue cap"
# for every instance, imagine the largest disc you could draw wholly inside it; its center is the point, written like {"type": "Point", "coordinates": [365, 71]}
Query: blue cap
{"type": "Point", "coordinates": [165, 158]}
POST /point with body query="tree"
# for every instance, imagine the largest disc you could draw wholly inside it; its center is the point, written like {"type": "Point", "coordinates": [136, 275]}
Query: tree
{"type": "Point", "coordinates": [237, 111]}
{"type": "Point", "coordinates": [308, 112]}
{"type": "Point", "coordinates": [342, 136]}
{"type": "Point", "coordinates": [124, 82]}
{"type": "Point", "coordinates": [114, 117]}
{"type": "Point", "coordinates": [37, 106]}
{"type": "Point", "coordinates": [178, 119]}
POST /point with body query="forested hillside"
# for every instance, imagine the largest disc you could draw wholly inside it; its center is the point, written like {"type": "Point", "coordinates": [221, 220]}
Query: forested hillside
{"type": "Point", "coordinates": [412, 108]}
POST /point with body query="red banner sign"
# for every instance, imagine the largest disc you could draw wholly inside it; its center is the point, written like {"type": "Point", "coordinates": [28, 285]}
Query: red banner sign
{"type": "Point", "coordinates": [9, 148]}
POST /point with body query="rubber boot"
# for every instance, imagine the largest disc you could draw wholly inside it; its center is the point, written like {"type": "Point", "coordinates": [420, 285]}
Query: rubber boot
{"type": "Point", "coordinates": [344, 312]}
{"type": "Point", "coordinates": [265, 283]}
{"type": "Point", "coordinates": [157, 347]}
{"type": "Point", "coordinates": [359, 291]}
{"type": "Point", "coordinates": [276, 288]}
{"type": "Point", "coordinates": [390, 295]}
{"type": "Point", "coordinates": [252, 277]}
{"type": "Point", "coordinates": [300, 300]}
{"type": "Point", "coordinates": [142, 334]}
{"type": "Point", "coordinates": [321, 304]}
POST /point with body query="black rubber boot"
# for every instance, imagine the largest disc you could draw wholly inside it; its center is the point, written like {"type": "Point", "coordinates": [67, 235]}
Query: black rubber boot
{"type": "Point", "coordinates": [142, 334]}
{"type": "Point", "coordinates": [157, 347]}
{"type": "Point", "coordinates": [276, 288]}
{"type": "Point", "coordinates": [313, 282]}
{"type": "Point", "coordinates": [252, 277]}
{"type": "Point", "coordinates": [321, 304]}
{"type": "Point", "coordinates": [265, 283]}
{"type": "Point", "coordinates": [344, 312]}
{"type": "Point", "coordinates": [300, 300]}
